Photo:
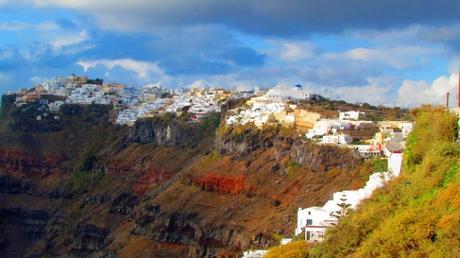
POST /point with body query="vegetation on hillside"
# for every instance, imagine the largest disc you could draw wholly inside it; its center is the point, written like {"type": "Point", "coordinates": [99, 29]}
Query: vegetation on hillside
{"type": "Point", "coordinates": [417, 214]}
{"type": "Point", "coordinates": [329, 108]}
{"type": "Point", "coordinates": [296, 249]}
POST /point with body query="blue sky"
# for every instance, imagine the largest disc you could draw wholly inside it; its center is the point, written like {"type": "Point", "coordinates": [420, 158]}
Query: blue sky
{"type": "Point", "coordinates": [383, 52]}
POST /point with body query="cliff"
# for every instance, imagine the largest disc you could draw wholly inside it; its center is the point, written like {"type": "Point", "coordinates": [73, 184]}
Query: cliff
{"type": "Point", "coordinates": [321, 158]}
{"type": "Point", "coordinates": [163, 188]}
{"type": "Point", "coordinates": [172, 131]}
{"type": "Point", "coordinates": [414, 215]}
{"type": "Point", "coordinates": [241, 141]}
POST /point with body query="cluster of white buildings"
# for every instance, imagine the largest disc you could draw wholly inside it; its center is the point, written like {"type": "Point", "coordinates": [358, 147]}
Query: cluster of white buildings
{"type": "Point", "coordinates": [130, 104]}
{"type": "Point", "coordinates": [314, 221]}
{"type": "Point", "coordinates": [328, 129]}
{"type": "Point", "coordinates": [389, 142]}
{"type": "Point", "coordinates": [88, 94]}
{"type": "Point", "coordinates": [391, 134]}
{"type": "Point", "coordinates": [259, 113]}
{"type": "Point", "coordinates": [197, 102]}
{"type": "Point", "coordinates": [272, 106]}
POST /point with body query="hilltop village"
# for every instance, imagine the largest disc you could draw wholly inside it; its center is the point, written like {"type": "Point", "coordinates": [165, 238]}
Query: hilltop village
{"type": "Point", "coordinates": [288, 107]}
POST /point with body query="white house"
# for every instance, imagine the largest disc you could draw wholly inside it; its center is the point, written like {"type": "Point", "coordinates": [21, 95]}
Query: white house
{"type": "Point", "coordinates": [336, 139]}
{"type": "Point", "coordinates": [283, 93]}
{"type": "Point", "coordinates": [315, 217]}
{"type": "Point", "coordinates": [314, 221]}
{"type": "Point", "coordinates": [349, 115]}
{"type": "Point", "coordinates": [323, 127]}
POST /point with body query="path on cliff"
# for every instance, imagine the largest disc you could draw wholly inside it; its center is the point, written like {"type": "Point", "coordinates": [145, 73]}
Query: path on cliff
{"type": "Point", "coordinates": [166, 184]}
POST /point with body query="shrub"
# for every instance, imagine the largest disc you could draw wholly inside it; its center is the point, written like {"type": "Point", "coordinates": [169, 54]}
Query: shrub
{"type": "Point", "coordinates": [380, 165]}
{"type": "Point", "coordinates": [297, 249]}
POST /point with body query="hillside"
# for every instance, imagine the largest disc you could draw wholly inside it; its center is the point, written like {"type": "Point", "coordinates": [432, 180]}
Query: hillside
{"type": "Point", "coordinates": [415, 215]}
{"type": "Point", "coordinates": [329, 108]}
{"type": "Point", "coordinates": [80, 186]}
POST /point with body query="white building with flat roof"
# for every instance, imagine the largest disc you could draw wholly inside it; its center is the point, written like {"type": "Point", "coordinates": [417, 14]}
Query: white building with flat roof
{"type": "Point", "coordinates": [284, 93]}
{"type": "Point", "coordinates": [350, 115]}
{"type": "Point", "coordinates": [342, 139]}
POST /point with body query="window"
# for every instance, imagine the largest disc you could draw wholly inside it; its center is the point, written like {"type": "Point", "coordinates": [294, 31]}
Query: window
{"type": "Point", "coordinates": [309, 221]}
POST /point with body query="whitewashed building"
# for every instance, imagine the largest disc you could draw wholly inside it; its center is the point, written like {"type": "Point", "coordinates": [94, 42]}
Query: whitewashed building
{"type": "Point", "coordinates": [314, 221]}
{"type": "Point", "coordinates": [326, 126]}
{"type": "Point", "coordinates": [342, 139]}
{"type": "Point", "coordinates": [350, 115]}
{"type": "Point", "coordinates": [284, 93]}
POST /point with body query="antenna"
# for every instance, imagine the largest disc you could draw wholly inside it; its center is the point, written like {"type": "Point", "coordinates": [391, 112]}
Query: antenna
{"type": "Point", "coordinates": [458, 96]}
{"type": "Point", "coordinates": [447, 99]}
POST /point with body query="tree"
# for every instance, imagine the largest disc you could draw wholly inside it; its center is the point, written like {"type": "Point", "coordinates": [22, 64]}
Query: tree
{"type": "Point", "coordinates": [344, 207]}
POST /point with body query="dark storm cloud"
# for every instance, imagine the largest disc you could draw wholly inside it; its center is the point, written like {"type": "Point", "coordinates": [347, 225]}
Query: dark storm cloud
{"type": "Point", "coordinates": [271, 17]}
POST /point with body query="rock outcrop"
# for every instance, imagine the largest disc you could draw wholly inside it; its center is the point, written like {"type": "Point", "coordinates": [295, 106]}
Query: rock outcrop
{"type": "Point", "coordinates": [150, 177]}
{"type": "Point", "coordinates": [88, 239]}
{"type": "Point", "coordinates": [321, 158]}
{"type": "Point", "coordinates": [242, 141]}
{"type": "Point", "coordinates": [233, 184]}
{"type": "Point", "coordinates": [171, 131]}
{"type": "Point", "coordinates": [21, 163]}
{"type": "Point", "coordinates": [205, 240]}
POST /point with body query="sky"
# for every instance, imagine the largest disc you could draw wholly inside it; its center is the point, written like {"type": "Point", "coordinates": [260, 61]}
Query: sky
{"type": "Point", "coordinates": [387, 52]}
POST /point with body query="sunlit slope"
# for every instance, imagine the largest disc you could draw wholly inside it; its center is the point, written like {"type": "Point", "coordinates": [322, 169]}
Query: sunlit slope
{"type": "Point", "coordinates": [415, 215]}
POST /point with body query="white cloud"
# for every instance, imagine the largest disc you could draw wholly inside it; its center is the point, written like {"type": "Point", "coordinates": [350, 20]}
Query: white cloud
{"type": "Point", "coordinates": [295, 51]}
{"type": "Point", "coordinates": [142, 69]}
{"type": "Point", "coordinates": [397, 57]}
{"type": "Point", "coordinates": [69, 39]}
{"type": "Point", "coordinates": [377, 91]}
{"type": "Point", "coordinates": [47, 26]}
{"type": "Point", "coordinates": [19, 25]}
{"type": "Point", "coordinates": [414, 93]}
{"type": "Point", "coordinates": [13, 26]}
{"type": "Point", "coordinates": [36, 79]}
{"type": "Point", "coordinates": [199, 84]}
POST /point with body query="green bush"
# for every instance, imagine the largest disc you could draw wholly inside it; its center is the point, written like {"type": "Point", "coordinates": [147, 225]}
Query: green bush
{"type": "Point", "coordinates": [380, 165]}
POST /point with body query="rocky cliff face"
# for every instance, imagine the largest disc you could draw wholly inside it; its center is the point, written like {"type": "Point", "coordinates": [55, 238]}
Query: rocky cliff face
{"type": "Point", "coordinates": [318, 158]}
{"type": "Point", "coordinates": [163, 132]}
{"type": "Point", "coordinates": [220, 183]}
{"type": "Point", "coordinates": [151, 192]}
{"type": "Point", "coordinates": [89, 240]}
{"type": "Point", "coordinates": [243, 141]}
{"type": "Point", "coordinates": [172, 131]}
{"type": "Point", "coordinates": [204, 239]}
{"type": "Point", "coordinates": [321, 158]}
{"type": "Point", "coordinates": [22, 163]}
